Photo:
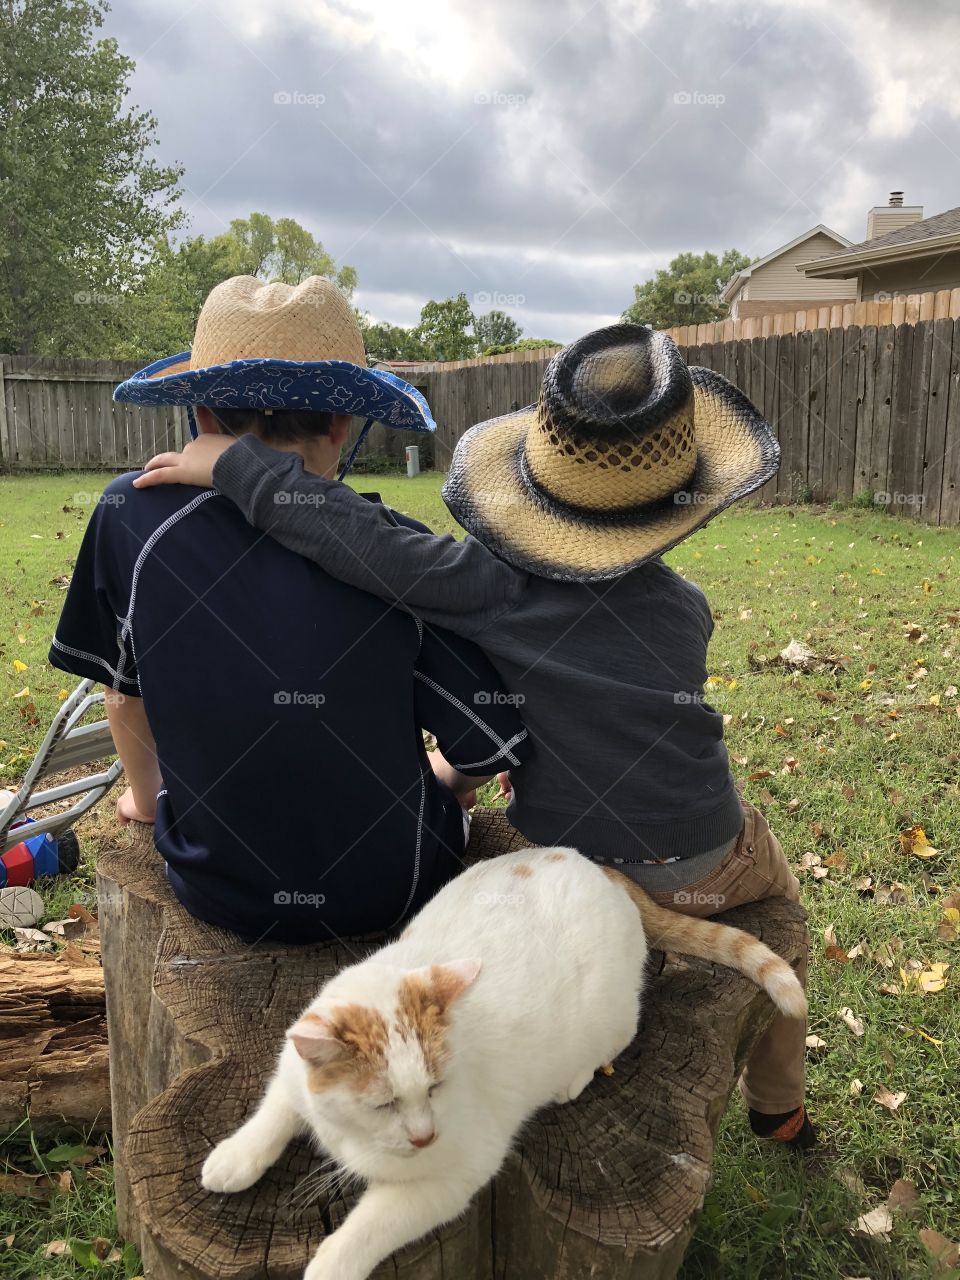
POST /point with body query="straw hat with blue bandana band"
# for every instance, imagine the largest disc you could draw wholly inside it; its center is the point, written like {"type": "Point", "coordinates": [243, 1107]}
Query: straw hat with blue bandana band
{"type": "Point", "coordinates": [280, 346]}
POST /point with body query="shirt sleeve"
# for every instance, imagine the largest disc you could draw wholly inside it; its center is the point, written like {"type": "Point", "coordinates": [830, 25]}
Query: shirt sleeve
{"type": "Point", "coordinates": [459, 585]}
{"type": "Point", "coordinates": [91, 639]}
{"type": "Point", "coordinates": [460, 700]}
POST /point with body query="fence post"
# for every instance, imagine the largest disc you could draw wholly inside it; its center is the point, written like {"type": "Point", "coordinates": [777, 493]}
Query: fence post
{"type": "Point", "coordinates": [4, 434]}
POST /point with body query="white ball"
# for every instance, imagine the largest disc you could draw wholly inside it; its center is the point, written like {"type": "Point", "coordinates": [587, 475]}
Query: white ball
{"type": "Point", "coordinates": [19, 907]}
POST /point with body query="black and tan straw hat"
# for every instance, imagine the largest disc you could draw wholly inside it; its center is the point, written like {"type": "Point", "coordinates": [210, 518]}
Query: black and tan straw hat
{"type": "Point", "coordinates": [627, 452]}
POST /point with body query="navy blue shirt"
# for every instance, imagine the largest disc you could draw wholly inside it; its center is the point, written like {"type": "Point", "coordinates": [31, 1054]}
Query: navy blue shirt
{"type": "Point", "coordinates": [287, 709]}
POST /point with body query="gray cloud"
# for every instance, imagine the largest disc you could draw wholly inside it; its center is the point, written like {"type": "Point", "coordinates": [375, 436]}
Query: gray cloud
{"type": "Point", "coordinates": [554, 153]}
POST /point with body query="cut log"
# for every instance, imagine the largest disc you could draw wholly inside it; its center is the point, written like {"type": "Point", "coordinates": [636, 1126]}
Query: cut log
{"type": "Point", "coordinates": [608, 1187]}
{"type": "Point", "coordinates": [53, 1043]}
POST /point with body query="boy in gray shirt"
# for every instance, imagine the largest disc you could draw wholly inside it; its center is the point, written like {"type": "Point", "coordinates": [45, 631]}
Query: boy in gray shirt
{"type": "Point", "coordinates": [571, 502]}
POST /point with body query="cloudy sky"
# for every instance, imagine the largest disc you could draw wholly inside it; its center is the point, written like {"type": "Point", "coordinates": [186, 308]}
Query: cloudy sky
{"type": "Point", "coordinates": [543, 156]}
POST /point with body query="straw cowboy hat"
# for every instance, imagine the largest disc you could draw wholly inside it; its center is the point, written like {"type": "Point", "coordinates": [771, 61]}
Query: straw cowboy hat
{"type": "Point", "coordinates": [626, 453]}
{"type": "Point", "coordinates": [279, 346]}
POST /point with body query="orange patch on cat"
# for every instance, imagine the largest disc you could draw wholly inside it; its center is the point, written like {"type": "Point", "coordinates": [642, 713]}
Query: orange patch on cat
{"type": "Point", "coordinates": [556, 857]}
{"type": "Point", "coordinates": [522, 871]}
{"type": "Point", "coordinates": [362, 1036]}
{"type": "Point", "coordinates": [422, 1012]}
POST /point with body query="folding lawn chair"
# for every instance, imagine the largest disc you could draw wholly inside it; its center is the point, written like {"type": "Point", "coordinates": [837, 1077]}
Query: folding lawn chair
{"type": "Point", "coordinates": [67, 745]}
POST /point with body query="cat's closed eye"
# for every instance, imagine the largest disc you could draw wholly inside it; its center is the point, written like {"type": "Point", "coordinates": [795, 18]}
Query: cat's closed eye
{"type": "Point", "coordinates": [386, 1106]}
{"type": "Point", "coordinates": [433, 1088]}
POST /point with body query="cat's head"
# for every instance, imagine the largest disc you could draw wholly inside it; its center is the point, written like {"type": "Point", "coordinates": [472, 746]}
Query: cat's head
{"type": "Point", "coordinates": [375, 1064]}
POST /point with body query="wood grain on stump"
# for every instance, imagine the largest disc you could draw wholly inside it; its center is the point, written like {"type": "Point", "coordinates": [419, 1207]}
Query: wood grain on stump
{"type": "Point", "coordinates": [607, 1187]}
{"type": "Point", "coordinates": [53, 1043]}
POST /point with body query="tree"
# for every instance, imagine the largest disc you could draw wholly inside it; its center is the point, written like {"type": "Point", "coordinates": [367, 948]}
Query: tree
{"type": "Point", "coordinates": [443, 329]}
{"type": "Point", "coordinates": [391, 342]}
{"type": "Point", "coordinates": [525, 344]}
{"type": "Point", "coordinates": [688, 292]}
{"type": "Point", "coordinates": [281, 250]}
{"type": "Point", "coordinates": [495, 329]}
{"type": "Point", "coordinates": [82, 199]}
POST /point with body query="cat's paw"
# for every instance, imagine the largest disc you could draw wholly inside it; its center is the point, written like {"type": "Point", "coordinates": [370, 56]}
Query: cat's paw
{"type": "Point", "coordinates": [233, 1165]}
{"type": "Point", "coordinates": [329, 1263]}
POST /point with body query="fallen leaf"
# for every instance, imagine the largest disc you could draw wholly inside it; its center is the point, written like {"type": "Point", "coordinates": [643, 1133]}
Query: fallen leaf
{"type": "Point", "coordinates": [903, 1195]}
{"type": "Point", "coordinates": [826, 695]}
{"type": "Point", "coordinates": [67, 928]}
{"type": "Point", "coordinates": [944, 1252]}
{"type": "Point", "coordinates": [864, 884]}
{"type": "Point", "coordinates": [758, 774]}
{"type": "Point", "coordinates": [889, 989]}
{"type": "Point", "coordinates": [55, 1249]}
{"type": "Point", "coordinates": [815, 1044]}
{"type": "Point", "coordinates": [934, 979]}
{"type": "Point", "coordinates": [913, 840]}
{"type": "Point", "coordinates": [885, 1098]}
{"type": "Point", "coordinates": [877, 1223]}
{"type": "Point", "coordinates": [852, 1021]}
{"type": "Point", "coordinates": [848, 792]}
{"type": "Point", "coordinates": [837, 859]}
{"type": "Point", "coordinates": [856, 1088]}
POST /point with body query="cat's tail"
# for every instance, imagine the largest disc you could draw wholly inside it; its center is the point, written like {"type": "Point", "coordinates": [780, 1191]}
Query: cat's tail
{"type": "Point", "coordinates": [720, 942]}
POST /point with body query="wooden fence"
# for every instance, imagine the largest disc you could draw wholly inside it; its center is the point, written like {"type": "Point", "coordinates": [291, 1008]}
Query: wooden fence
{"type": "Point", "coordinates": [57, 413]}
{"type": "Point", "coordinates": [872, 408]}
{"type": "Point", "coordinates": [913, 308]}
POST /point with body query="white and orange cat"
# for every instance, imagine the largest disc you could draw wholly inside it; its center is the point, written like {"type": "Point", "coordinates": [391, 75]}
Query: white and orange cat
{"type": "Point", "coordinates": [415, 1069]}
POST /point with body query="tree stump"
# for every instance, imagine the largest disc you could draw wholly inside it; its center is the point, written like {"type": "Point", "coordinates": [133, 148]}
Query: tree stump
{"type": "Point", "coordinates": [53, 1043]}
{"type": "Point", "coordinates": [608, 1187]}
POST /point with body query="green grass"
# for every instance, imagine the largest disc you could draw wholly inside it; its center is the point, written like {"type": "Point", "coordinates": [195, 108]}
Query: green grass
{"type": "Point", "coordinates": [846, 774]}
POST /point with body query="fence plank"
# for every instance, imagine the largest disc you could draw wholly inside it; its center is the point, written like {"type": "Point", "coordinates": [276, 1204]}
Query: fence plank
{"type": "Point", "coordinates": [832, 412]}
{"type": "Point", "coordinates": [849, 400]}
{"type": "Point", "coordinates": [902, 438]}
{"type": "Point", "coordinates": [786, 407]}
{"type": "Point", "coordinates": [867, 376]}
{"type": "Point", "coordinates": [816, 427]}
{"type": "Point", "coordinates": [934, 448]}
{"type": "Point", "coordinates": [883, 409]}
{"type": "Point", "coordinates": [950, 492]}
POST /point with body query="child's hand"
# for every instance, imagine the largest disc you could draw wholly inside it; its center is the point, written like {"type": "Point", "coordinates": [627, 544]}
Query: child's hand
{"type": "Point", "coordinates": [127, 810]}
{"type": "Point", "coordinates": [193, 466]}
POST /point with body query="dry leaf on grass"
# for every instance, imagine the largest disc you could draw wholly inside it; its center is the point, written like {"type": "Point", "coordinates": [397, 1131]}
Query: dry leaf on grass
{"type": "Point", "coordinates": [903, 1196]}
{"type": "Point", "coordinates": [913, 840]}
{"type": "Point", "coordinates": [56, 1249]}
{"type": "Point", "coordinates": [856, 1088]}
{"type": "Point", "coordinates": [852, 1021]}
{"type": "Point", "coordinates": [945, 1253]}
{"type": "Point", "coordinates": [815, 1044]}
{"type": "Point", "coordinates": [885, 1098]}
{"type": "Point", "coordinates": [877, 1223]}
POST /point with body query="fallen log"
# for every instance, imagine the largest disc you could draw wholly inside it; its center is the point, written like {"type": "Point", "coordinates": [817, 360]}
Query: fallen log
{"type": "Point", "coordinates": [608, 1187]}
{"type": "Point", "coordinates": [53, 1042]}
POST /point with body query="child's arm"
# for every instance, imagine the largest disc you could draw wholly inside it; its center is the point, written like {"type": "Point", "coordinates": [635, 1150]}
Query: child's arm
{"type": "Point", "coordinates": [138, 753]}
{"type": "Point", "coordinates": [459, 585]}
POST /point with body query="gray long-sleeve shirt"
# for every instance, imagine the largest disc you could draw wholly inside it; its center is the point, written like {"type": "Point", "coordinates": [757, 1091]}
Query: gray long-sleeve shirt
{"type": "Point", "coordinates": [628, 761]}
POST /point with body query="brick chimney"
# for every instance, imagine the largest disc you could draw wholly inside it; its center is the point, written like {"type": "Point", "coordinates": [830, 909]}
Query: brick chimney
{"type": "Point", "coordinates": [884, 218]}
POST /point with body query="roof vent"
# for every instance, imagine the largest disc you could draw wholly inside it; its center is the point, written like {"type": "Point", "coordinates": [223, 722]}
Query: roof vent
{"type": "Point", "coordinates": [896, 199]}
{"type": "Point", "coordinates": [884, 218]}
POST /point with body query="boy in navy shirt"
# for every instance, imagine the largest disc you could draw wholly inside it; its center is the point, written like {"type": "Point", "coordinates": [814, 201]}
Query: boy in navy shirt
{"type": "Point", "coordinates": [270, 717]}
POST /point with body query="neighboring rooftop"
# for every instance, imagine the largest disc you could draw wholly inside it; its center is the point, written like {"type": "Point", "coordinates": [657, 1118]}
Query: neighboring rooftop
{"type": "Point", "coordinates": [918, 238]}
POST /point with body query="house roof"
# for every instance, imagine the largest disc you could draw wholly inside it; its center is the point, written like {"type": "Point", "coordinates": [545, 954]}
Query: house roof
{"type": "Point", "coordinates": [732, 285]}
{"type": "Point", "coordinates": [918, 239]}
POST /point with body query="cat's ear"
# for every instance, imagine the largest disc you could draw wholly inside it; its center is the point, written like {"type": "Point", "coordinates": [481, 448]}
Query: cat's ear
{"type": "Point", "coordinates": [314, 1039]}
{"type": "Point", "coordinates": [449, 981]}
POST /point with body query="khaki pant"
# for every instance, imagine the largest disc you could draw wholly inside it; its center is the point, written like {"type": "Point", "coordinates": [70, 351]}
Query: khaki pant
{"type": "Point", "coordinates": [773, 1079]}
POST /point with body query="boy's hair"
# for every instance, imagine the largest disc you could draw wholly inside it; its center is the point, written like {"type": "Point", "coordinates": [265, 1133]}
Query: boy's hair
{"type": "Point", "coordinates": [282, 426]}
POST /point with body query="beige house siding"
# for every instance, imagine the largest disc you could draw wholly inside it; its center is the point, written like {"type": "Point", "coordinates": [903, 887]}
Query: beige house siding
{"type": "Point", "coordinates": [883, 219]}
{"type": "Point", "coordinates": [780, 278]}
{"type": "Point", "coordinates": [923, 275]}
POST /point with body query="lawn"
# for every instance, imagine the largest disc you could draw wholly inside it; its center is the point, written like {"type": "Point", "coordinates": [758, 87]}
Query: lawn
{"type": "Point", "coordinates": [841, 759]}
